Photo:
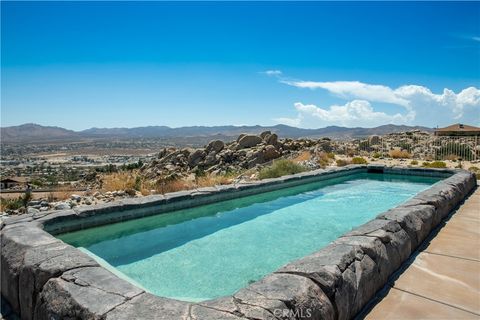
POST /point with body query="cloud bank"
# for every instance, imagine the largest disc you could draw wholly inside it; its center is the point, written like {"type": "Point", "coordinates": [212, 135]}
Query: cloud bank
{"type": "Point", "coordinates": [421, 106]}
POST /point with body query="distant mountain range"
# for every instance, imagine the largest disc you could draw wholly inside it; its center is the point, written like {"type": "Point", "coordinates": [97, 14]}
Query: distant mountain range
{"type": "Point", "coordinates": [36, 133]}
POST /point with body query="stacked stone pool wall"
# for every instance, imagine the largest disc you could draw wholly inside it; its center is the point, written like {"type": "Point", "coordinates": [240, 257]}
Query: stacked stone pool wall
{"type": "Point", "coordinates": [44, 278]}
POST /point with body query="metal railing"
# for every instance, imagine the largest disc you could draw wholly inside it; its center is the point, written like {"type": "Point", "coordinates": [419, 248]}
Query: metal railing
{"type": "Point", "coordinates": [415, 146]}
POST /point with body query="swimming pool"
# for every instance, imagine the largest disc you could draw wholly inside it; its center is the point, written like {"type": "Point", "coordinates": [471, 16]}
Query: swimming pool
{"type": "Point", "coordinates": [213, 250]}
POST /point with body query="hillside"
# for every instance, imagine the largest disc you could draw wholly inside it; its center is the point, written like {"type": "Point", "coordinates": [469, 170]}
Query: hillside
{"type": "Point", "coordinates": [31, 132]}
{"type": "Point", "coordinates": [36, 133]}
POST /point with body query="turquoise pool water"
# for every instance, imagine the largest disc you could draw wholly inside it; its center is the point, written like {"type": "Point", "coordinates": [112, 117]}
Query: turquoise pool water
{"type": "Point", "coordinates": [213, 250]}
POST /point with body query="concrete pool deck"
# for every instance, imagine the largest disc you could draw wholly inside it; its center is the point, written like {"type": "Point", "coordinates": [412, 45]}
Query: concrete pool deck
{"type": "Point", "coordinates": [443, 279]}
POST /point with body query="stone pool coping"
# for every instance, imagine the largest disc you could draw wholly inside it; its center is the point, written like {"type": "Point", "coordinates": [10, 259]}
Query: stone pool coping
{"type": "Point", "coordinates": [44, 278]}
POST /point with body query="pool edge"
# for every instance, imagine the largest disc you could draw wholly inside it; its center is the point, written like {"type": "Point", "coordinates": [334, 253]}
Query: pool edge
{"type": "Point", "coordinates": [43, 277]}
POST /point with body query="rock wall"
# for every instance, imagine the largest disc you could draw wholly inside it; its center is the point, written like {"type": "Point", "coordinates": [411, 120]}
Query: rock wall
{"type": "Point", "coordinates": [44, 278]}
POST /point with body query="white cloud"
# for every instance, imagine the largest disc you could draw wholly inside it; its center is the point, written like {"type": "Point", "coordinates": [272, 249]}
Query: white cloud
{"type": "Point", "coordinates": [354, 89]}
{"type": "Point", "coordinates": [475, 39]}
{"type": "Point", "coordinates": [272, 73]}
{"type": "Point", "coordinates": [293, 122]}
{"type": "Point", "coordinates": [422, 106]}
{"type": "Point", "coordinates": [352, 114]}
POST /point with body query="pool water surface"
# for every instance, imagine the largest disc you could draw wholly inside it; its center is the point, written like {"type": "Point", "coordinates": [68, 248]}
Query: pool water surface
{"type": "Point", "coordinates": [213, 250]}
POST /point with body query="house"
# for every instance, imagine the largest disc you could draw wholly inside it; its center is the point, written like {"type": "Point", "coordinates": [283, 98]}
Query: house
{"type": "Point", "coordinates": [12, 182]}
{"type": "Point", "coordinates": [458, 130]}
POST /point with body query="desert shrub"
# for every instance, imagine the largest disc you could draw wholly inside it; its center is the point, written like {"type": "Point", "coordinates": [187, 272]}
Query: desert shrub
{"type": "Point", "coordinates": [27, 196]}
{"type": "Point", "coordinates": [199, 172]}
{"type": "Point", "coordinates": [359, 160]}
{"type": "Point", "coordinates": [109, 168]}
{"type": "Point", "coordinates": [11, 204]}
{"type": "Point", "coordinates": [132, 166]}
{"type": "Point", "coordinates": [475, 170]}
{"type": "Point", "coordinates": [414, 162]}
{"type": "Point", "coordinates": [399, 154]}
{"type": "Point", "coordinates": [404, 146]}
{"type": "Point", "coordinates": [324, 159]}
{"type": "Point", "coordinates": [341, 162]}
{"type": "Point", "coordinates": [377, 155]}
{"type": "Point", "coordinates": [37, 182]}
{"type": "Point", "coordinates": [434, 164]}
{"type": "Point", "coordinates": [280, 168]}
{"type": "Point", "coordinates": [364, 145]}
{"type": "Point", "coordinates": [138, 183]}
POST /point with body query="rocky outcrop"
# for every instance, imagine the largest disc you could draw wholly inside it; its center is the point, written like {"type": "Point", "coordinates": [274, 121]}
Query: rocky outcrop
{"type": "Point", "coordinates": [246, 152]}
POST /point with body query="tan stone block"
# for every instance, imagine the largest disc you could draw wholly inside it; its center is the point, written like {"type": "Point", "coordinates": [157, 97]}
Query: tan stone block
{"type": "Point", "coordinates": [452, 281]}
{"type": "Point", "coordinates": [402, 305]}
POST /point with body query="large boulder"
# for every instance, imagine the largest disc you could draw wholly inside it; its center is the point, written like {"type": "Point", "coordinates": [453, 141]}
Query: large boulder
{"type": "Point", "coordinates": [248, 141]}
{"type": "Point", "coordinates": [271, 139]}
{"type": "Point", "coordinates": [265, 134]}
{"type": "Point", "coordinates": [196, 157]}
{"type": "Point", "coordinates": [270, 153]}
{"type": "Point", "coordinates": [215, 146]}
{"type": "Point", "coordinates": [210, 160]}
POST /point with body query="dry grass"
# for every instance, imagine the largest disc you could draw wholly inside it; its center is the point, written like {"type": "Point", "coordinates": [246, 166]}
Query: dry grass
{"type": "Point", "coordinates": [399, 154]}
{"type": "Point", "coordinates": [166, 186]}
{"type": "Point", "coordinates": [118, 181]}
{"type": "Point", "coordinates": [325, 159]}
{"type": "Point", "coordinates": [210, 180]}
{"type": "Point", "coordinates": [303, 156]}
{"type": "Point", "coordinates": [59, 193]}
{"type": "Point", "coordinates": [132, 180]}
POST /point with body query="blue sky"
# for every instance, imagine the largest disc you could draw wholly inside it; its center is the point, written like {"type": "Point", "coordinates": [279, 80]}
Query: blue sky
{"type": "Point", "coordinates": [124, 64]}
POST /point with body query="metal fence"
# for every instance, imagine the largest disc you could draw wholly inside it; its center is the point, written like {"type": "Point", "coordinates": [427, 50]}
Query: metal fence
{"type": "Point", "coordinates": [416, 146]}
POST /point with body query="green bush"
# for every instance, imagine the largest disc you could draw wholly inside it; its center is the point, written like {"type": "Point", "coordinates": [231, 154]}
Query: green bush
{"type": "Point", "coordinates": [280, 168]}
{"type": "Point", "coordinates": [359, 160]}
{"type": "Point", "coordinates": [414, 162]}
{"type": "Point", "coordinates": [475, 170]}
{"type": "Point", "coordinates": [138, 183]}
{"type": "Point", "coordinates": [341, 163]}
{"type": "Point", "coordinates": [377, 155]}
{"type": "Point", "coordinates": [11, 204]}
{"type": "Point", "coordinates": [434, 164]}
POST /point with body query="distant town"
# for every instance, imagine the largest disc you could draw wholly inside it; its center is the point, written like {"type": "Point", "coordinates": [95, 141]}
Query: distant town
{"type": "Point", "coordinates": [62, 172]}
